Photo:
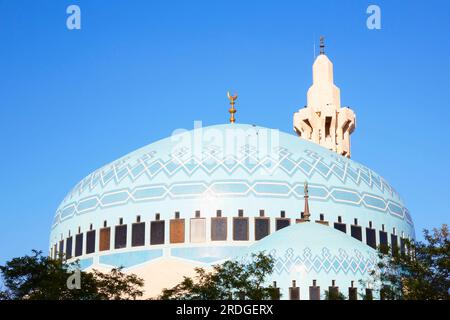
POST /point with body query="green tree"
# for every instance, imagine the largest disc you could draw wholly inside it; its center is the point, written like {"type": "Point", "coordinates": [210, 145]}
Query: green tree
{"type": "Point", "coordinates": [333, 295]}
{"type": "Point", "coordinates": [419, 273]}
{"type": "Point", "coordinates": [230, 280]}
{"type": "Point", "coordinates": [40, 277]}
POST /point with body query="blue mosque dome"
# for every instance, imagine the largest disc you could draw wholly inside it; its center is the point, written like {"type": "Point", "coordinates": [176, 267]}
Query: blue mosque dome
{"type": "Point", "coordinates": [203, 196]}
{"type": "Point", "coordinates": [169, 205]}
{"type": "Point", "coordinates": [302, 258]}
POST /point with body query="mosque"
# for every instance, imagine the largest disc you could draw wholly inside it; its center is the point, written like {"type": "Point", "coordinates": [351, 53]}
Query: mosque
{"type": "Point", "coordinates": [221, 192]}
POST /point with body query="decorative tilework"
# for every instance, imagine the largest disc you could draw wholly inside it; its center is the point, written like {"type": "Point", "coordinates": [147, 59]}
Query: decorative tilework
{"type": "Point", "coordinates": [234, 188]}
{"type": "Point", "coordinates": [309, 164]}
{"type": "Point", "coordinates": [346, 261]}
{"type": "Point", "coordinates": [160, 172]}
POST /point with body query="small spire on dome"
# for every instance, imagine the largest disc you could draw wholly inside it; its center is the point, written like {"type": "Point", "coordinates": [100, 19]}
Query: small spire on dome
{"type": "Point", "coordinates": [322, 45]}
{"type": "Point", "coordinates": [306, 213]}
{"type": "Point", "coordinates": [232, 110]}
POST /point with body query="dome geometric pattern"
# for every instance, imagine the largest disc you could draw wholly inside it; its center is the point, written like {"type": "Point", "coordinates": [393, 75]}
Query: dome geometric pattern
{"type": "Point", "coordinates": [235, 188]}
{"type": "Point", "coordinates": [327, 262]}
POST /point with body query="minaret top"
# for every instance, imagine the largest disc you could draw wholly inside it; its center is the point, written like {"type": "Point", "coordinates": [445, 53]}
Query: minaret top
{"type": "Point", "coordinates": [323, 92]}
{"type": "Point", "coordinates": [323, 120]}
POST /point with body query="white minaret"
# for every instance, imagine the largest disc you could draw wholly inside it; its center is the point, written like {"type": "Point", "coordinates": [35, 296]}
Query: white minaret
{"type": "Point", "coordinates": [323, 121]}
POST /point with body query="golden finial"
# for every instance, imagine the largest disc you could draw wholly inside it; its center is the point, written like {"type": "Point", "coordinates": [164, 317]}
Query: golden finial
{"type": "Point", "coordinates": [232, 110]}
{"type": "Point", "coordinates": [322, 45]}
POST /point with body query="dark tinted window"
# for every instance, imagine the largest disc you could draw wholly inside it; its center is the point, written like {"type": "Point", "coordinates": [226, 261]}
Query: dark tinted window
{"type": "Point", "coordinates": [219, 229]}
{"type": "Point", "coordinates": [240, 229]}
{"type": "Point", "coordinates": [69, 248]}
{"type": "Point", "coordinates": [314, 293]}
{"type": "Point", "coordinates": [262, 226]}
{"type": "Point", "coordinates": [352, 293]}
{"type": "Point", "coordinates": [294, 293]}
{"type": "Point", "coordinates": [78, 245]}
{"type": "Point", "coordinates": [394, 243]}
{"type": "Point", "coordinates": [281, 223]}
{"type": "Point", "coordinates": [356, 232]}
{"type": "Point", "coordinates": [90, 241]}
{"type": "Point", "coordinates": [370, 238]}
{"type": "Point", "coordinates": [138, 234]}
{"type": "Point", "coordinates": [340, 226]}
{"type": "Point", "coordinates": [157, 232]}
{"type": "Point", "coordinates": [61, 248]}
{"type": "Point", "coordinates": [120, 239]}
{"type": "Point", "coordinates": [402, 246]}
{"type": "Point", "coordinates": [383, 241]}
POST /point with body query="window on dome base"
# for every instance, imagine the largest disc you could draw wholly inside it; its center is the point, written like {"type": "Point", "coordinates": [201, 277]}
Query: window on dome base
{"type": "Point", "coordinates": [61, 249]}
{"type": "Point", "coordinates": [402, 246]}
{"type": "Point", "coordinates": [275, 291]}
{"type": "Point", "coordinates": [333, 290]}
{"type": "Point", "coordinates": [240, 227]}
{"type": "Point", "coordinates": [322, 220]}
{"type": "Point", "coordinates": [105, 238]}
{"type": "Point", "coordinates": [198, 228]}
{"type": "Point", "coordinates": [138, 233]}
{"type": "Point", "coordinates": [371, 238]}
{"type": "Point", "coordinates": [383, 241]}
{"type": "Point", "coordinates": [90, 241]}
{"type": "Point", "coordinates": [78, 244]}
{"type": "Point", "coordinates": [69, 247]}
{"type": "Point", "coordinates": [120, 238]}
{"type": "Point", "coordinates": [177, 229]}
{"type": "Point", "coordinates": [394, 244]}
{"type": "Point", "coordinates": [356, 231]}
{"type": "Point", "coordinates": [282, 221]}
{"type": "Point", "coordinates": [369, 294]}
{"type": "Point", "coordinates": [340, 226]}
{"type": "Point", "coordinates": [294, 291]}
{"type": "Point", "coordinates": [262, 226]}
{"type": "Point", "coordinates": [219, 227]}
{"type": "Point", "coordinates": [352, 292]}
{"type": "Point", "coordinates": [157, 233]}
{"type": "Point", "coordinates": [314, 291]}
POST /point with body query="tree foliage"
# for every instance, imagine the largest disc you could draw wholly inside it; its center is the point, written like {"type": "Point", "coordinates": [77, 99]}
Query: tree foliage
{"type": "Point", "coordinates": [230, 280]}
{"type": "Point", "coordinates": [334, 295]}
{"type": "Point", "coordinates": [419, 273]}
{"type": "Point", "coordinates": [38, 277]}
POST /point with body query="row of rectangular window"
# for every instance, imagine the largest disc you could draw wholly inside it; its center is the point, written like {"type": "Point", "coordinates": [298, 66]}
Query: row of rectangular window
{"type": "Point", "coordinates": [314, 292]}
{"type": "Point", "coordinates": [219, 232]}
{"type": "Point", "coordinates": [219, 227]}
{"type": "Point", "coordinates": [333, 292]}
{"type": "Point", "coordinates": [356, 232]}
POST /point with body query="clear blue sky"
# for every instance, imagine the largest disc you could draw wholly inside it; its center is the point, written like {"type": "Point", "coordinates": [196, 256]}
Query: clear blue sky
{"type": "Point", "coordinates": [71, 101]}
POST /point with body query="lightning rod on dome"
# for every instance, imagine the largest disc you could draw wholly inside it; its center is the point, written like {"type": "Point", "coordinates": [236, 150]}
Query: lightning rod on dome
{"type": "Point", "coordinates": [322, 45]}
